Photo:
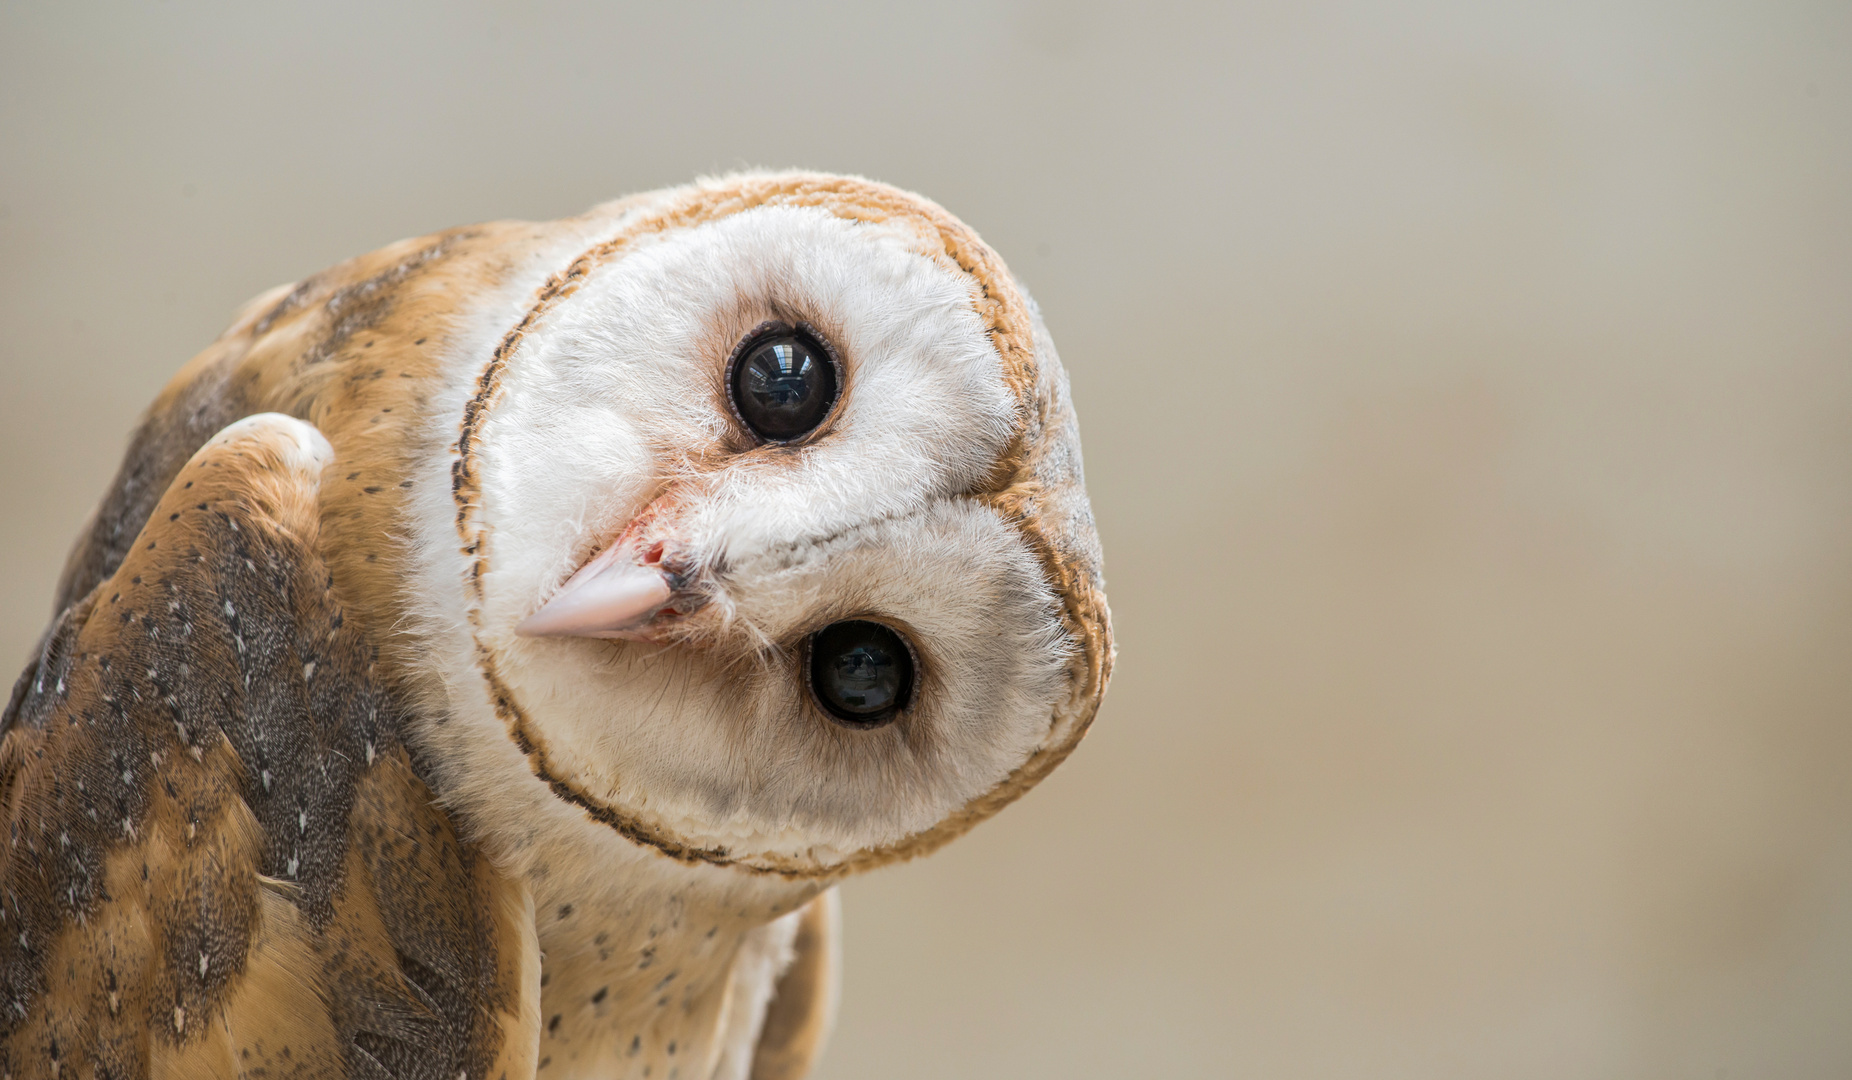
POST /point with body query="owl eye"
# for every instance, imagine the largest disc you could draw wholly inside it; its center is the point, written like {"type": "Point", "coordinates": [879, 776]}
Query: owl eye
{"type": "Point", "coordinates": [782, 384]}
{"type": "Point", "coordinates": [861, 672]}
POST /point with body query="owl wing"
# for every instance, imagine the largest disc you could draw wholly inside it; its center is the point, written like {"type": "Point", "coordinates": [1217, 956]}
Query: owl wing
{"type": "Point", "coordinates": [803, 1004]}
{"type": "Point", "coordinates": [220, 860]}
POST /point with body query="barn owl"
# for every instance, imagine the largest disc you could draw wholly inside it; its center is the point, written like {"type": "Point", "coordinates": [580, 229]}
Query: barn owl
{"type": "Point", "coordinates": [493, 650]}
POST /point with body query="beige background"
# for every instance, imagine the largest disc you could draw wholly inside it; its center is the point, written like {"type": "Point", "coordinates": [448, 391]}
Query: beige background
{"type": "Point", "coordinates": [1466, 397]}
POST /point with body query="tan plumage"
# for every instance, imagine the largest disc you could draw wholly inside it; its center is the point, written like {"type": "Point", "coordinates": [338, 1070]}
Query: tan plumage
{"type": "Point", "coordinates": [256, 872]}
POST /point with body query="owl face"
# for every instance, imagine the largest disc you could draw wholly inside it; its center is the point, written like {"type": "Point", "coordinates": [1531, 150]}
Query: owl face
{"type": "Point", "coordinates": [742, 584]}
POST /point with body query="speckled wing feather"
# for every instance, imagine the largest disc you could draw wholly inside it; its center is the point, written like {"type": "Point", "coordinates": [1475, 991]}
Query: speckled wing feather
{"type": "Point", "coordinates": [220, 858]}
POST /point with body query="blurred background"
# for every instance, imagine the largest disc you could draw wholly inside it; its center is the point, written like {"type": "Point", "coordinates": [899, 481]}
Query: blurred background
{"type": "Point", "coordinates": [1466, 393]}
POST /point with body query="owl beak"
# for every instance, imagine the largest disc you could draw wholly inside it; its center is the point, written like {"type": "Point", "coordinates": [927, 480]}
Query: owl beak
{"type": "Point", "coordinates": [616, 595]}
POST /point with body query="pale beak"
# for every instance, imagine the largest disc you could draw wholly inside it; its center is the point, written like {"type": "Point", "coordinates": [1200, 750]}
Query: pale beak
{"type": "Point", "coordinates": [613, 596]}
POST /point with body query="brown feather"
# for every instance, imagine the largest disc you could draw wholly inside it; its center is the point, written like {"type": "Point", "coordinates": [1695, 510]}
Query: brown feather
{"type": "Point", "coordinates": [219, 854]}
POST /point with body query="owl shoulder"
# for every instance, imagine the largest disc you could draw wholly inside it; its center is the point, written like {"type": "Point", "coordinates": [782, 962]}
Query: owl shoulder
{"type": "Point", "coordinates": [219, 850]}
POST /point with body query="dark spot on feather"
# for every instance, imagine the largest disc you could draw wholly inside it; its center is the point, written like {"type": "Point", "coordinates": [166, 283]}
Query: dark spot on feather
{"type": "Point", "coordinates": [361, 306]}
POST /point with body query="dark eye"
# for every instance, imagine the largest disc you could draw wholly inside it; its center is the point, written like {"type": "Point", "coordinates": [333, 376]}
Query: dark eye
{"type": "Point", "coordinates": [860, 672]}
{"type": "Point", "coordinates": [782, 385]}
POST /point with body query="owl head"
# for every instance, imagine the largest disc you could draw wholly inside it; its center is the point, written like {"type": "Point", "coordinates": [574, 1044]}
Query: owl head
{"type": "Point", "coordinates": [764, 541]}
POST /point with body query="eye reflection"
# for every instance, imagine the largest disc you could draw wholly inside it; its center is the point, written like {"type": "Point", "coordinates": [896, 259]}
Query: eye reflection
{"type": "Point", "coordinates": [860, 672]}
{"type": "Point", "coordinates": [783, 386]}
{"type": "Point", "coordinates": [779, 376]}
